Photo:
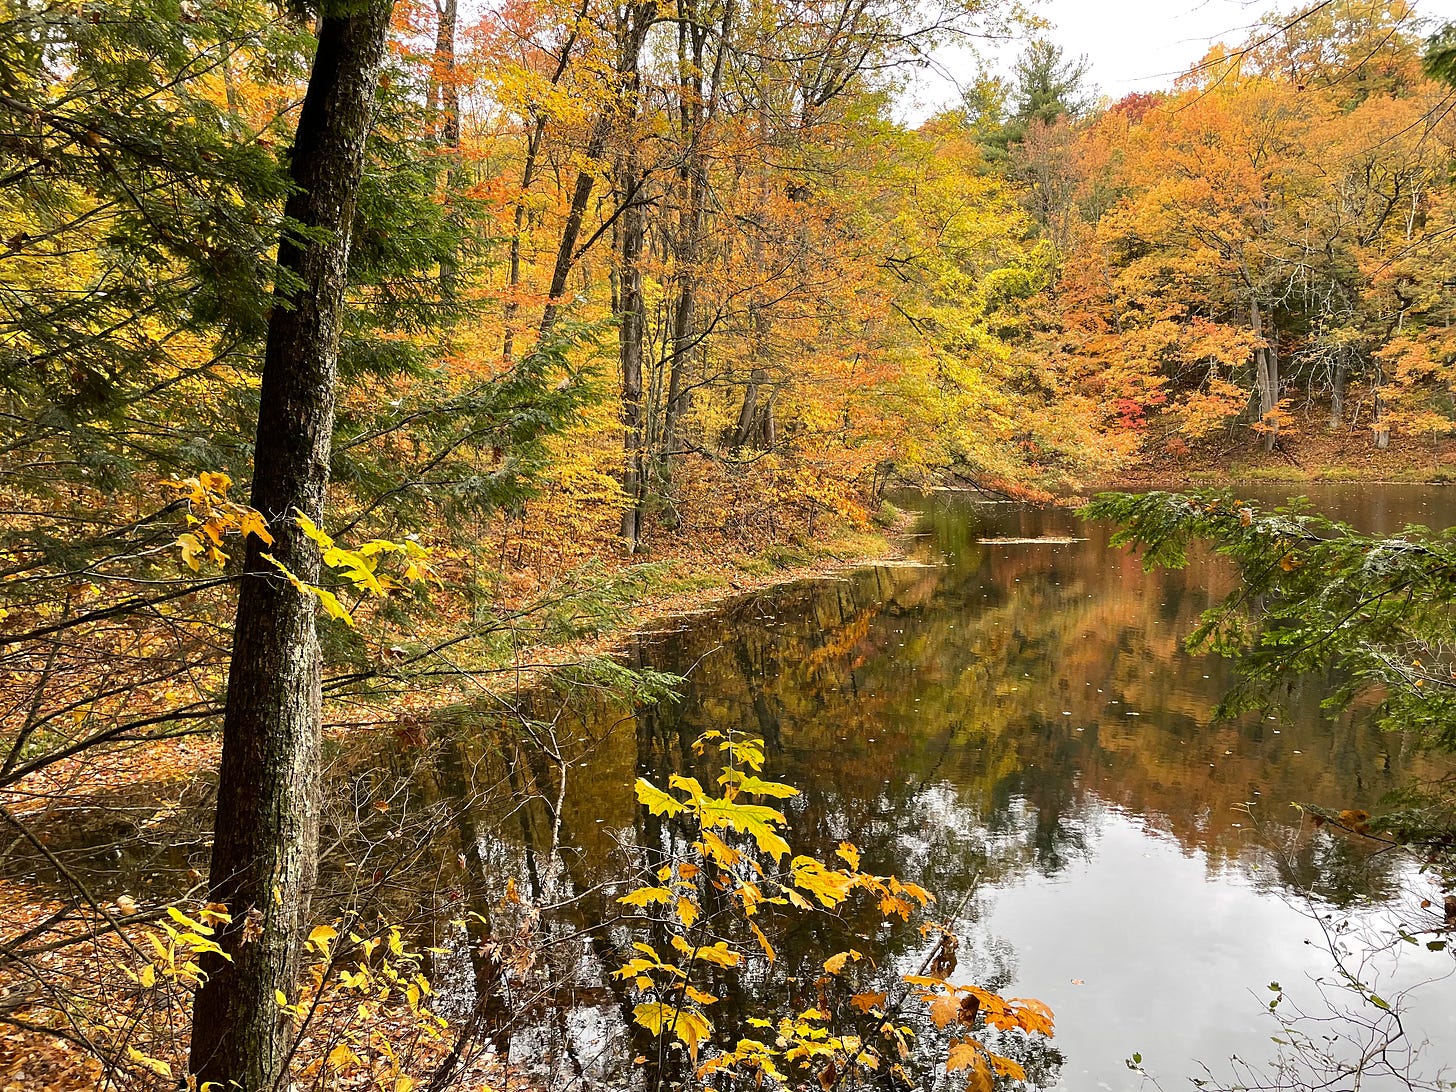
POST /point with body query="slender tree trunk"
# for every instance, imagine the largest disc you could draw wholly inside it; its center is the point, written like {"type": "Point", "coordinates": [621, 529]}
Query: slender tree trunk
{"type": "Point", "coordinates": [449, 112]}
{"type": "Point", "coordinates": [1271, 364]}
{"type": "Point", "coordinates": [1266, 378]}
{"type": "Point", "coordinates": [631, 308]}
{"type": "Point", "coordinates": [1380, 434]}
{"type": "Point", "coordinates": [1337, 390]}
{"type": "Point", "coordinates": [571, 231]}
{"type": "Point", "coordinates": [528, 176]}
{"type": "Point", "coordinates": [755, 417]}
{"type": "Point", "coordinates": [518, 231]}
{"type": "Point", "coordinates": [1381, 437]}
{"type": "Point", "coordinates": [698, 110]}
{"type": "Point", "coordinates": [264, 856]}
{"type": "Point", "coordinates": [630, 337]}
{"type": "Point", "coordinates": [684, 314]}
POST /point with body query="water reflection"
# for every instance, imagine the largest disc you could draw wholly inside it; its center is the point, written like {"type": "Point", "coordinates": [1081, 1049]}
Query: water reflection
{"type": "Point", "coordinates": [1021, 715]}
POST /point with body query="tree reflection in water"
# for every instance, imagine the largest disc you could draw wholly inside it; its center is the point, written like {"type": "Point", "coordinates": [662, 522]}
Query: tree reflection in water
{"type": "Point", "coordinates": [978, 719]}
{"type": "Point", "coordinates": [967, 720]}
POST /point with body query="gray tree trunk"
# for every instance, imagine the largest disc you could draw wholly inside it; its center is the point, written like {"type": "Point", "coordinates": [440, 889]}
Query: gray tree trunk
{"type": "Point", "coordinates": [1266, 378]}
{"type": "Point", "coordinates": [264, 856]}
{"type": "Point", "coordinates": [700, 105]}
{"type": "Point", "coordinates": [1337, 391]}
{"type": "Point", "coordinates": [1380, 436]}
{"type": "Point", "coordinates": [631, 307]}
{"type": "Point", "coordinates": [630, 337]}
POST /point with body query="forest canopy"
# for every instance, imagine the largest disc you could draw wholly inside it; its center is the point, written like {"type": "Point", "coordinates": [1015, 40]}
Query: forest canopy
{"type": "Point", "coordinates": [346, 353]}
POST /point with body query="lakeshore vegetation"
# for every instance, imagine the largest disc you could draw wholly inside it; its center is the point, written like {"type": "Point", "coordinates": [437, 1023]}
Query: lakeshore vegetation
{"type": "Point", "coordinates": [347, 350]}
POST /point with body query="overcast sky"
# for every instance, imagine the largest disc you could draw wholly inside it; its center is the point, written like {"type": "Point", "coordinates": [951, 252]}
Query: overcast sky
{"type": "Point", "coordinates": [1131, 45]}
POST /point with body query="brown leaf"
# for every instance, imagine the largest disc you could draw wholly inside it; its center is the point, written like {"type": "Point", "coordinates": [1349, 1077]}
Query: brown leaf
{"type": "Point", "coordinates": [970, 1009]}
{"type": "Point", "coordinates": [252, 926]}
{"type": "Point", "coordinates": [866, 1001]}
{"type": "Point", "coordinates": [945, 1010]}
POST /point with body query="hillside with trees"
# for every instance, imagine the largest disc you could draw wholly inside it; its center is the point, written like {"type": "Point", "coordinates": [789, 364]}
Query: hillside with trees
{"type": "Point", "coordinates": [349, 352]}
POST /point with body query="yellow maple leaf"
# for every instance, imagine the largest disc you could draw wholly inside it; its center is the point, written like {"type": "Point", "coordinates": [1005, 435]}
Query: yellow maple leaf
{"type": "Point", "coordinates": [964, 1053]}
{"type": "Point", "coordinates": [192, 549]}
{"type": "Point", "coordinates": [646, 896]}
{"type": "Point", "coordinates": [251, 522]}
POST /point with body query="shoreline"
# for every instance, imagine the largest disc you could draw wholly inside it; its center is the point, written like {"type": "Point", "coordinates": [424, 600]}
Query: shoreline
{"type": "Point", "coordinates": [1299, 458]}
{"type": "Point", "coordinates": [686, 595]}
{"type": "Point", "coordinates": [690, 588]}
{"type": "Point", "coordinates": [1237, 478]}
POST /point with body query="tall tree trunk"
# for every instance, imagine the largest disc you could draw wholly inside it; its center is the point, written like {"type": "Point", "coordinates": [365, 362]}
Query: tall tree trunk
{"type": "Point", "coordinates": [630, 337]}
{"type": "Point", "coordinates": [264, 856]}
{"type": "Point", "coordinates": [631, 308]}
{"type": "Point", "coordinates": [449, 114]}
{"type": "Point", "coordinates": [755, 417]}
{"type": "Point", "coordinates": [683, 334]}
{"type": "Point", "coordinates": [699, 107]}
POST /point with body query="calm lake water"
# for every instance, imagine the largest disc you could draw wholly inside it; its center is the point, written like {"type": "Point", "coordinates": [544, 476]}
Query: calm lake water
{"type": "Point", "coordinates": [1012, 722]}
{"type": "Point", "coordinates": [1009, 720]}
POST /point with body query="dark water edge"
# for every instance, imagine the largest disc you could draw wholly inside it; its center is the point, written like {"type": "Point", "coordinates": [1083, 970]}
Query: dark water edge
{"type": "Point", "coordinates": [1009, 720]}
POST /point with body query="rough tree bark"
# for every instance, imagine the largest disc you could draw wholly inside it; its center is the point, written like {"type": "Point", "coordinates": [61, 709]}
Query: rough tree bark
{"type": "Point", "coordinates": [264, 856]}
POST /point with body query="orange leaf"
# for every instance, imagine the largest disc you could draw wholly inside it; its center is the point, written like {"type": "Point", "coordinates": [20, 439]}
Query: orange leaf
{"type": "Point", "coordinates": [964, 1053]}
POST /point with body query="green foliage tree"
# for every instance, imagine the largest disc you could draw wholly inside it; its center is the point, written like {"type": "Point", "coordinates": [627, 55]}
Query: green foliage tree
{"type": "Point", "coordinates": [1047, 87]}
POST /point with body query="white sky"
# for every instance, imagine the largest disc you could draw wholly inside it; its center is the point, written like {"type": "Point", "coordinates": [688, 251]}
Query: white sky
{"type": "Point", "coordinates": [1131, 45]}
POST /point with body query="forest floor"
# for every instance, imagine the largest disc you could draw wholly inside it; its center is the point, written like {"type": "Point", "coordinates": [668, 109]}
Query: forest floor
{"type": "Point", "coordinates": [1312, 454]}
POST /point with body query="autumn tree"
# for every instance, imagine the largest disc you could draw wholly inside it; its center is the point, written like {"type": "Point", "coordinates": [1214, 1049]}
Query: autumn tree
{"type": "Point", "coordinates": [1263, 234]}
